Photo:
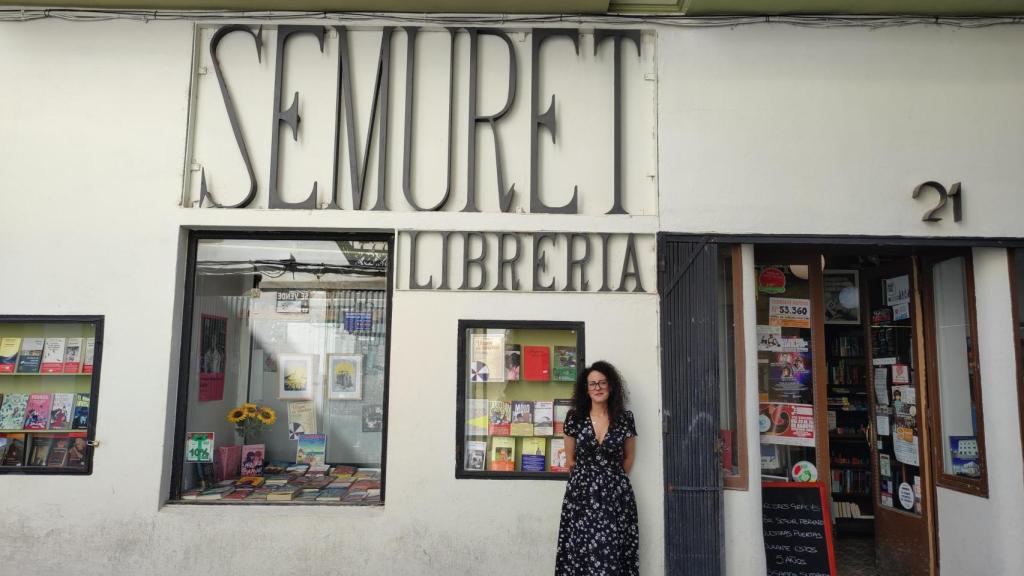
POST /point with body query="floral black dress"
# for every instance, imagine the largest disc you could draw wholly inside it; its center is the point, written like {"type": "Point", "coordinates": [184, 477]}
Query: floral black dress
{"type": "Point", "coordinates": [598, 534]}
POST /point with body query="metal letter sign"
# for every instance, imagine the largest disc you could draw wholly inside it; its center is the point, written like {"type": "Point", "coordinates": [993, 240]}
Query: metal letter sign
{"type": "Point", "coordinates": [485, 84]}
{"type": "Point", "coordinates": [956, 193]}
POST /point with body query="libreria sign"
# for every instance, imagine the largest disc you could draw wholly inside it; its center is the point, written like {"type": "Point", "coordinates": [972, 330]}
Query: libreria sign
{"type": "Point", "coordinates": [337, 103]}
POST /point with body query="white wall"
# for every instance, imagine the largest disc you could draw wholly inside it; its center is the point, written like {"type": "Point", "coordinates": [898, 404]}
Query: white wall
{"type": "Point", "coordinates": [778, 129]}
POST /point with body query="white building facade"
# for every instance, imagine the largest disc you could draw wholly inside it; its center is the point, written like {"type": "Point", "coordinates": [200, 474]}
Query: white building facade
{"type": "Point", "coordinates": [762, 137]}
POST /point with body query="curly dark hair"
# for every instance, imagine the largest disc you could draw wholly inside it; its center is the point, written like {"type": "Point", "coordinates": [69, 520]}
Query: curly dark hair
{"type": "Point", "coordinates": [616, 392]}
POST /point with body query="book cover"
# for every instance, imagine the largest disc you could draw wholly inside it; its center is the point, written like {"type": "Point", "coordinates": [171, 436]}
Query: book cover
{"type": "Point", "coordinates": [318, 470]}
{"type": "Point", "coordinates": [40, 450]}
{"type": "Point", "coordinates": [252, 459]}
{"type": "Point", "coordinates": [9, 348]}
{"type": "Point", "coordinates": [80, 419]}
{"type": "Point", "coordinates": [15, 454]}
{"type": "Point", "coordinates": [562, 407]}
{"type": "Point", "coordinates": [53, 356]}
{"type": "Point", "coordinates": [311, 448]}
{"type": "Point", "coordinates": [565, 364]}
{"type": "Point", "coordinates": [37, 411]}
{"type": "Point", "coordinates": [487, 357]}
{"type": "Point", "coordinates": [31, 356]}
{"type": "Point", "coordinates": [522, 418]}
{"type": "Point", "coordinates": [503, 453]}
{"type": "Point", "coordinates": [61, 410]}
{"type": "Point", "coordinates": [4, 443]}
{"type": "Point", "coordinates": [543, 418]}
{"type": "Point", "coordinates": [332, 494]}
{"type": "Point", "coordinates": [559, 459]}
{"type": "Point", "coordinates": [87, 355]}
{"type": "Point", "coordinates": [215, 493]}
{"type": "Point", "coordinates": [533, 457]}
{"type": "Point", "coordinates": [513, 362]}
{"type": "Point", "coordinates": [286, 492]}
{"type": "Point", "coordinates": [476, 454]}
{"type": "Point", "coordinates": [239, 494]}
{"type": "Point", "coordinates": [536, 363]}
{"type": "Point", "coordinates": [247, 482]}
{"type": "Point", "coordinates": [76, 452]}
{"type": "Point", "coordinates": [499, 418]}
{"type": "Point", "coordinates": [476, 417]}
{"type": "Point", "coordinates": [301, 419]}
{"type": "Point", "coordinates": [59, 451]}
{"type": "Point", "coordinates": [73, 356]}
{"type": "Point", "coordinates": [12, 411]}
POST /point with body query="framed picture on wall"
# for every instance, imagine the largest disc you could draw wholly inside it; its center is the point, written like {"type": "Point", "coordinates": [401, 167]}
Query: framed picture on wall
{"type": "Point", "coordinates": [842, 296]}
{"type": "Point", "coordinates": [345, 376]}
{"type": "Point", "coordinates": [295, 376]}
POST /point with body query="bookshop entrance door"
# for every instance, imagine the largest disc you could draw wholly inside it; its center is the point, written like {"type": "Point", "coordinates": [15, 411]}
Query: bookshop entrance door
{"type": "Point", "coordinates": [903, 490]}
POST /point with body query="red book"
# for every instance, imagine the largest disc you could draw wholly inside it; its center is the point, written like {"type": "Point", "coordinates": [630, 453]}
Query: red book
{"type": "Point", "coordinates": [537, 363]}
{"type": "Point", "coordinates": [37, 412]}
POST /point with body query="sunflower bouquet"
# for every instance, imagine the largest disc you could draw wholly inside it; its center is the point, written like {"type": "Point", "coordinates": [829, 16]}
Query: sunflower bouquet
{"type": "Point", "coordinates": [251, 419]}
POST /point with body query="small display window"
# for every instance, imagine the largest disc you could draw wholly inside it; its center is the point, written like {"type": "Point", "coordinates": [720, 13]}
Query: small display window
{"type": "Point", "coordinates": [49, 380]}
{"type": "Point", "coordinates": [516, 382]}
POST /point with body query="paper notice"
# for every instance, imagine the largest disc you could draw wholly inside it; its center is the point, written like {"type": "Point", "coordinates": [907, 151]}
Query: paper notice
{"type": "Point", "coordinates": [906, 450]}
{"type": "Point", "coordinates": [900, 374]}
{"type": "Point", "coordinates": [881, 390]}
{"type": "Point", "coordinates": [789, 312]}
{"type": "Point", "coordinates": [897, 290]}
{"type": "Point", "coordinates": [883, 466]}
{"type": "Point", "coordinates": [901, 311]}
{"type": "Point", "coordinates": [768, 338]}
{"type": "Point", "coordinates": [882, 424]}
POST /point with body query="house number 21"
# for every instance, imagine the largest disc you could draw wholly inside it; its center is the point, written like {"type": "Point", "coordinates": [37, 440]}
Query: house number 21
{"type": "Point", "coordinates": [955, 192]}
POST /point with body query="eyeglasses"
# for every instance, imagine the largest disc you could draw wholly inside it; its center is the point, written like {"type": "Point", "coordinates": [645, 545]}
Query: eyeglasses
{"type": "Point", "coordinates": [597, 385]}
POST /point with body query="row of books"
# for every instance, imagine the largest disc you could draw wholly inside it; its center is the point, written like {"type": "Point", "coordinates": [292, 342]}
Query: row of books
{"type": "Point", "coordinates": [65, 451]}
{"type": "Point", "coordinates": [516, 418]}
{"type": "Point", "coordinates": [847, 346]}
{"type": "Point", "coordinates": [851, 482]}
{"type": "Point", "coordinates": [44, 411]}
{"type": "Point", "coordinates": [849, 510]}
{"type": "Point", "coordinates": [491, 359]}
{"type": "Point", "coordinates": [536, 455]}
{"type": "Point", "coordinates": [845, 373]}
{"type": "Point", "coordinates": [302, 483]}
{"type": "Point", "coordinates": [46, 355]}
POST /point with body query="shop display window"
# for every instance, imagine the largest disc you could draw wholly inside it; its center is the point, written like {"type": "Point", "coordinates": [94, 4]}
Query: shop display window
{"type": "Point", "coordinates": [283, 395]}
{"type": "Point", "coordinates": [515, 387]}
{"type": "Point", "coordinates": [787, 419]}
{"type": "Point", "coordinates": [731, 367]}
{"type": "Point", "coordinates": [957, 419]}
{"type": "Point", "coordinates": [49, 385]}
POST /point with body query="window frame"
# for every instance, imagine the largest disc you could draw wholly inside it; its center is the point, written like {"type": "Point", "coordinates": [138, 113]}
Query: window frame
{"type": "Point", "coordinates": [1018, 353]}
{"type": "Point", "coordinates": [740, 480]}
{"type": "Point", "coordinates": [460, 392]}
{"type": "Point", "coordinates": [185, 338]}
{"type": "Point", "coordinates": [94, 391]}
{"type": "Point", "coordinates": [975, 486]}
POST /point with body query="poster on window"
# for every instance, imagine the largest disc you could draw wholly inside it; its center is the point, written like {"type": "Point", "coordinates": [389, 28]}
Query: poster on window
{"type": "Point", "coordinates": [789, 378]}
{"type": "Point", "coordinates": [213, 346]}
{"type": "Point", "coordinates": [789, 312]}
{"type": "Point", "coordinates": [786, 424]}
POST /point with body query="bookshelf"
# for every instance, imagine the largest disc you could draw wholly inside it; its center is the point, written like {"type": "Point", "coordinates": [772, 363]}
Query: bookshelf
{"type": "Point", "coordinates": [848, 418]}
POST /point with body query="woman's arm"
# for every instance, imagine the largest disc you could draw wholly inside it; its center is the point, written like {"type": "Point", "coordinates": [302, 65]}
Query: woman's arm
{"type": "Point", "coordinates": [627, 461]}
{"type": "Point", "coordinates": [570, 452]}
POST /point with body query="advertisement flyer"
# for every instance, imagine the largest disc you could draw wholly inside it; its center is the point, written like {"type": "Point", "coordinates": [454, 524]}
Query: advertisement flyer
{"type": "Point", "coordinates": [789, 377]}
{"type": "Point", "coordinates": [789, 312]}
{"type": "Point", "coordinates": [786, 424]}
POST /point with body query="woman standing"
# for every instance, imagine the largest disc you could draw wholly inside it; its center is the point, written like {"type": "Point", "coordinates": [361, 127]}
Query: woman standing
{"type": "Point", "coordinates": [598, 534]}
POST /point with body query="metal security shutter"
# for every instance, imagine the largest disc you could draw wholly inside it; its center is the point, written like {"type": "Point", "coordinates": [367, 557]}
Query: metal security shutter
{"type": "Point", "coordinates": [690, 396]}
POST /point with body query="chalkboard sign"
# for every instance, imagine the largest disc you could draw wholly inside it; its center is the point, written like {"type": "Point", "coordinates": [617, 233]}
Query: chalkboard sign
{"type": "Point", "coordinates": [797, 529]}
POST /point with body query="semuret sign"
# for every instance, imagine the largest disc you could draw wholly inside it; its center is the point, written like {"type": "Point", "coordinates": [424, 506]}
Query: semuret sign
{"type": "Point", "coordinates": [541, 121]}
